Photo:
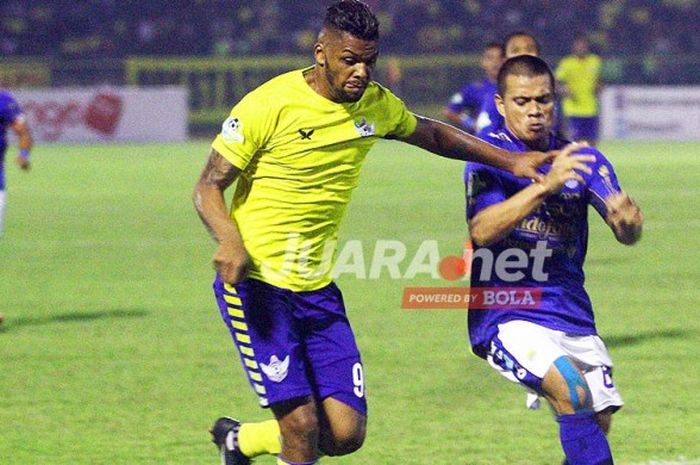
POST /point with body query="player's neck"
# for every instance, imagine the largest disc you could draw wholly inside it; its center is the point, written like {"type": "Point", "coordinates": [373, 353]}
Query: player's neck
{"type": "Point", "coordinates": [318, 84]}
{"type": "Point", "coordinates": [541, 145]}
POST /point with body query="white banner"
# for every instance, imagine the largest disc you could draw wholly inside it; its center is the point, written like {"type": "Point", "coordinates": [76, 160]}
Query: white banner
{"type": "Point", "coordinates": [650, 113]}
{"type": "Point", "coordinates": [106, 114]}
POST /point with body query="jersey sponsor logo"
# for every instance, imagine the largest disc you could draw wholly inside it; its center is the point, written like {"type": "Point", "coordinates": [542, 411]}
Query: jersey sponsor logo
{"type": "Point", "coordinates": [306, 135]}
{"type": "Point", "coordinates": [231, 130]}
{"type": "Point", "coordinates": [364, 128]}
{"type": "Point", "coordinates": [276, 370]}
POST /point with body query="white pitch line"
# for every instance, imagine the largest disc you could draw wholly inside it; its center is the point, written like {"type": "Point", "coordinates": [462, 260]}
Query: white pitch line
{"type": "Point", "coordinates": [680, 461]}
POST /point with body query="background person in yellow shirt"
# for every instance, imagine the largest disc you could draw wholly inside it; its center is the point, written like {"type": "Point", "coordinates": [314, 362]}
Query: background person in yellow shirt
{"type": "Point", "coordinates": [579, 80]}
{"type": "Point", "coordinates": [295, 146]}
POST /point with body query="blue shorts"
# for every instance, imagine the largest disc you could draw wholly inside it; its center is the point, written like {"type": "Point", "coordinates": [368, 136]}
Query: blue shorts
{"type": "Point", "coordinates": [583, 128]}
{"type": "Point", "coordinates": [293, 344]}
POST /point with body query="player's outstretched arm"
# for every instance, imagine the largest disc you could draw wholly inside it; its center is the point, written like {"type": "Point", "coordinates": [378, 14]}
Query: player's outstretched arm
{"type": "Point", "coordinates": [624, 218]}
{"type": "Point", "coordinates": [497, 221]}
{"type": "Point", "coordinates": [24, 142]}
{"type": "Point", "coordinates": [231, 259]}
{"type": "Point", "coordinates": [447, 141]}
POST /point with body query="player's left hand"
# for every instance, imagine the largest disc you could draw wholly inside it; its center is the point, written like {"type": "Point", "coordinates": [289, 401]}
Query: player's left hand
{"type": "Point", "coordinates": [625, 218]}
{"type": "Point", "coordinates": [24, 163]}
{"type": "Point", "coordinates": [525, 164]}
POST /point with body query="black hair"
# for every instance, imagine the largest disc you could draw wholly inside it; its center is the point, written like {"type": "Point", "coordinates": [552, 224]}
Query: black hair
{"type": "Point", "coordinates": [353, 17]}
{"type": "Point", "coordinates": [523, 65]}
{"type": "Point", "coordinates": [497, 45]}
{"type": "Point", "coordinates": [512, 35]}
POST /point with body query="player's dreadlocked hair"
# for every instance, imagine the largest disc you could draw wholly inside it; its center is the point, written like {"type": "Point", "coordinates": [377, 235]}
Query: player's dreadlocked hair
{"type": "Point", "coordinates": [523, 65]}
{"type": "Point", "coordinates": [353, 17]}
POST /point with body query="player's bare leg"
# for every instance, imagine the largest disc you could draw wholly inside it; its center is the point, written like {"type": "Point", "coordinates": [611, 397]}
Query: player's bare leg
{"type": "Point", "coordinates": [582, 438]}
{"type": "Point", "coordinates": [299, 429]}
{"type": "Point", "coordinates": [343, 428]}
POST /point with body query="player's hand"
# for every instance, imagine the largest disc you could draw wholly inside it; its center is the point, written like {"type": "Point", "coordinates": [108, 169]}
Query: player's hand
{"type": "Point", "coordinates": [24, 163]}
{"type": "Point", "coordinates": [232, 262]}
{"type": "Point", "coordinates": [525, 164]}
{"type": "Point", "coordinates": [625, 218]}
{"type": "Point", "coordinates": [567, 165]}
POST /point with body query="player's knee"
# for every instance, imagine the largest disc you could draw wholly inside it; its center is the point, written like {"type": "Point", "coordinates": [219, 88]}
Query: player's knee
{"type": "Point", "coordinates": [299, 429]}
{"type": "Point", "coordinates": [343, 440]}
{"type": "Point", "coordinates": [574, 395]}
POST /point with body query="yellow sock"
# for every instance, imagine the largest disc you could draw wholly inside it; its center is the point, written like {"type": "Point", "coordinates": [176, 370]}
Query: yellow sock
{"type": "Point", "coordinates": [259, 438]}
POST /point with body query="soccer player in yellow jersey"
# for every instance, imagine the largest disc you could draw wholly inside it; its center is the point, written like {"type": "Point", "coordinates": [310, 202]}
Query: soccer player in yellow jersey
{"type": "Point", "coordinates": [579, 78]}
{"type": "Point", "coordinates": [295, 146]}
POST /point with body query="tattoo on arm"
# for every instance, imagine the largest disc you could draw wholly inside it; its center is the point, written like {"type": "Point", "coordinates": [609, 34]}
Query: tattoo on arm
{"type": "Point", "coordinates": [218, 172]}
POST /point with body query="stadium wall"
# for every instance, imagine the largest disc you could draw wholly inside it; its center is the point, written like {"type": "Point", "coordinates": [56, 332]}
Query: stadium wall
{"type": "Point", "coordinates": [651, 113]}
{"type": "Point", "coordinates": [106, 114]}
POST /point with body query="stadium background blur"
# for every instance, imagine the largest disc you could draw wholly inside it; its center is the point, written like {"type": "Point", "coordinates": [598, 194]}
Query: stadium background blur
{"type": "Point", "coordinates": [112, 350]}
{"type": "Point", "coordinates": [216, 47]}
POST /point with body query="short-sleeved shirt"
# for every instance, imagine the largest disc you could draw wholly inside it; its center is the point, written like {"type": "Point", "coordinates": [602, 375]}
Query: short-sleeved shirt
{"type": "Point", "coordinates": [477, 98]}
{"type": "Point", "coordinates": [561, 222]}
{"type": "Point", "coordinates": [581, 77]}
{"type": "Point", "coordinates": [300, 155]}
{"type": "Point", "coordinates": [9, 112]}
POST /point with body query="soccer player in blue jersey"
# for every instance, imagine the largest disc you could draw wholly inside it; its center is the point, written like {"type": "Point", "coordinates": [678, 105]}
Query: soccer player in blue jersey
{"type": "Point", "coordinates": [295, 146]}
{"type": "Point", "coordinates": [551, 348]}
{"type": "Point", "coordinates": [516, 43]}
{"type": "Point", "coordinates": [470, 108]}
{"type": "Point", "coordinates": [11, 116]}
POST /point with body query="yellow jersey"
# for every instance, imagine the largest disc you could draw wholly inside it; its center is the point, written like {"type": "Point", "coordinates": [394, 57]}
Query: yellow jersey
{"type": "Point", "coordinates": [581, 78]}
{"type": "Point", "coordinates": [300, 156]}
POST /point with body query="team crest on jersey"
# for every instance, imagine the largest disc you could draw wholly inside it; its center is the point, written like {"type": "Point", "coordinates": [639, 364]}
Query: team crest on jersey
{"type": "Point", "coordinates": [232, 130]}
{"type": "Point", "coordinates": [364, 128]}
{"type": "Point", "coordinates": [276, 370]}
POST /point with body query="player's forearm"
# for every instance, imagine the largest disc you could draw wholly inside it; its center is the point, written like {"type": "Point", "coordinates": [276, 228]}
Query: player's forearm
{"type": "Point", "coordinates": [447, 141]}
{"type": "Point", "coordinates": [497, 221]}
{"type": "Point", "coordinates": [24, 135]}
{"type": "Point", "coordinates": [210, 205]}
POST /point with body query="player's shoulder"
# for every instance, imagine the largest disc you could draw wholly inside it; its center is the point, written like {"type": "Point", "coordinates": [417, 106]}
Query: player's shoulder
{"type": "Point", "coordinates": [279, 87]}
{"type": "Point", "coordinates": [600, 158]}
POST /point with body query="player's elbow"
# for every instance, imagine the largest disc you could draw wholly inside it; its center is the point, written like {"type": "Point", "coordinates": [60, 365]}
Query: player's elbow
{"type": "Point", "coordinates": [480, 234]}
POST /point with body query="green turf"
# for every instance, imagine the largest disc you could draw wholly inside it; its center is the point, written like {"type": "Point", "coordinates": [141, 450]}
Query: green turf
{"type": "Point", "coordinates": [113, 351]}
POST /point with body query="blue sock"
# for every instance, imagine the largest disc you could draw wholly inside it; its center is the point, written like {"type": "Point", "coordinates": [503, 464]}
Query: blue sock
{"type": "Point", "coordinates": [583, 441]}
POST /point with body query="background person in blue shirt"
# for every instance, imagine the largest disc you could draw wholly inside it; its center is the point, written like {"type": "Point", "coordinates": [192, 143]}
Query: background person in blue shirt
{"type": "Point", "coordinates": [470, 108]}
{"type": "Point", "coordinates": [552, 349]}
{"type": "Point", "coordinates": [11, 116]}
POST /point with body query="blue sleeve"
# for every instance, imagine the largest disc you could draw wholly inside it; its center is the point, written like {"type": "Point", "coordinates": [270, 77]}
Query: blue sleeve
{"type": "Point", "coordinates": [602, 183]}
{"type": "Point", "coordinates": [484, 188]}
{"type": "Point", "coordinates": [9, 108]}
{"type": "Point", "coordinates": [465, 99]}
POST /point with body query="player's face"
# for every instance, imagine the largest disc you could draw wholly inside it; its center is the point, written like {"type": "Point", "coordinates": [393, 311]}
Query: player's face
{"type": "Point", "coordinates": [348, 63]}
{"type": "Point", "coordinates": [491, 61]}
{"type": "Point", "coordinates": [528, 108]}
{"type": "Point", "coordinates": [581, 47]}
{"type": "Point", "coordinates": [521, 45]}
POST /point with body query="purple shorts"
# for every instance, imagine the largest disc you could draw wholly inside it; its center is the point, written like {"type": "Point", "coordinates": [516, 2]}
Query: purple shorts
{"type": "Point", "coordinates": [293, 344]}
{"type": "Point", "coordinates": [583, 128]}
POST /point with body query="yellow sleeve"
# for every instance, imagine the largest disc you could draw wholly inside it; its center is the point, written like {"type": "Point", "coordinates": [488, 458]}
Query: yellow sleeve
{"type": "Point", "coordinates": [402, 121]}
{"type": "Point", "coordinates": [562, 70]}
{"type": "Point", "coordinates": [247, 129]}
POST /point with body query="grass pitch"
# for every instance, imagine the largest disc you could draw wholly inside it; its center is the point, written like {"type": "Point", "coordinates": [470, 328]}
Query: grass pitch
{"type": "Point", "coordinates": [113, 351]}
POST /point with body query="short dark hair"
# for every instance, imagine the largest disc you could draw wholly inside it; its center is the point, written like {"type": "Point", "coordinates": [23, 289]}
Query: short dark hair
{"type": "Point", "coordinates": [497, 45]}
{"type": "Point", "coordinates": [523, 65]}
{"type": "Point", "coordinates": [353, 17]}
{"type": "Point", "coordinates": [512, 35]}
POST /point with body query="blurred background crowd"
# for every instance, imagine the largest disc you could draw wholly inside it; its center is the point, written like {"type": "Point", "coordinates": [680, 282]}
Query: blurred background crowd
{"type": "Point", "coordinates": [111, 28]}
